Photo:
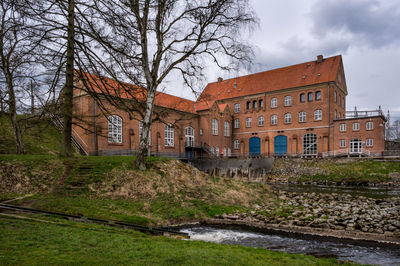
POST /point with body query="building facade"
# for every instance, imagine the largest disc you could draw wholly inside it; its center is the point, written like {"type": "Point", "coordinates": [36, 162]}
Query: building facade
{"type": "Point", "coordinates": [298, 110]}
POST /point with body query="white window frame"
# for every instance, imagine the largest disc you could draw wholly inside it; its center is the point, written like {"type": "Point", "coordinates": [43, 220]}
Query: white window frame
{"type": "Point", "coordinates": [288, 100]}
{"type": "Point", "coordinates": [248, 122]}
{"type": "Point", "coordinates": [114, 129]}
{"type": "Point", "coordinates": [342, 127]}
{"type": "Point", "coordinates": [217, 151]}
{"type": "Point", "coordinates": [288, 118]}
{"type": "Point", "coordinates": [369, 125]}
{"type": "Point", "coordinates": [226, 129]}
{"type": "Point", "coordinates": [237, 123]}
{"type": "Point", "coordinates": [274, 102]}
{"type": "Point", "coordinates": [302, 117]}
{"type": "Point", "coordinates": [342, 143]}
{"type": "Point", "coordinates": [169, 135]}
{"type": "Point", "coordinates": [274, 119]}
{"type": "Point", "coordinates": [224, 152]}
{"type": "Point", "coordinates": [356, 126]}
{"type": "Point", "coordinates": [316, 95]}
{"type": "Point", "coordinates": [189, 136]}
{"type": "Point", "coordinates": [237, 107]}
{"type": "Point", "coordinates": [214, 126]}
{"type": "Point", "coordinates": [260, 121]}
{"type": "Point", "coordinates": [236, 144]}
{"type": "Point", "coordinates": [201, 132]}
{"type": "Point", "coordinates": [212, 150]}
{"type": "Point", "coordinates": [318, 115]}
{"type": "Point", "coordinates": [369, 142]}
{"type": "Point", "coordinates": [229, 152]}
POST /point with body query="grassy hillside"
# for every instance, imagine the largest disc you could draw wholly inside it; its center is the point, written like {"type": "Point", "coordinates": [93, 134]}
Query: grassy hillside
{"type": "Point", "coordinates": [39, 135]}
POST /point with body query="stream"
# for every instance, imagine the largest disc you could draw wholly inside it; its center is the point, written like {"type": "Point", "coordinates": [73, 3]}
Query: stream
{"type": "Point", "coordinates": [358, 252]}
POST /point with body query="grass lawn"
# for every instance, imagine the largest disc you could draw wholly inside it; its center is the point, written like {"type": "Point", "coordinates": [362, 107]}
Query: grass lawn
{"type": "Point", "coordinates": [36, 243]}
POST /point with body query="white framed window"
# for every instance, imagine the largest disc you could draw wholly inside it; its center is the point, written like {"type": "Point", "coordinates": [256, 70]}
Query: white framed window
{"type": "Point", "coordinates": [224, 152]}
{"type": "Point", "coordinates": [237, 107]}
{"type": "Point", "coordinates": [189, 137]}
{"type": "Point", "coordinates": [169, 140]}
{"type": "Point", "coordinates": [310, 96]}
{"type": "Point", "coordinates": [274, 103]}
{"type": "Point", "coordinates": [370, 125]}
{"type": "Point", "coordinates": [229, 152]}
{"type": "Point", "coordinates": [255, 104]}
{"type": "Point", "coordinates": [261, 103]}
{"type": "Point", "coordinates": [369, 142]}
{"type": "Point", "coordinates": [217, 151]}
{"type": "Point", "coordinates": [140, 133]}
{"type": "Point", "coordinates": [214, 126]}
{"type": "Point", "coordinates": [201, 132]}
{"type": "Point", "coordinates": [236, 144]}
{"type": "Point", "coordinates": [288, 100]}
{"type": "Point", "coordinates": [226, 129]}
{"type": "Point", "coordinates": [342, 143]}
{"type": "Point", "coordinates": [355, 146]}
{"type": "Point", "coordinates": [274, 119]}
{"type": "Point", "coordinates": [356, 126]}
{"type": "Point", "coordinates": [302, 97]}
{"type": "Point", "coordinates": [114, 129]}
{"type": "Point", "coordinates": [318, 115]}
{"type": "Point", "coordinates": [302, 117]}
{"type": "Point", "coordinates": [212, 150]}
{"type": "Point", "coordinates": [236, 123]}
{"type": "Point", "coordinates": [260, 121]}
{"type": "Point", "coordinates": [288, 118]}
{"type": "Point", "coordinates": [318, 96]}
{"type": "Point", "coordinates": [248, 122]}
{"type": "Point", "coordinates": [342, 128]}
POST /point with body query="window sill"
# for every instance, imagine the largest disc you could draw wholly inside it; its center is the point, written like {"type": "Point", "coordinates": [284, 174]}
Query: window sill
{"type": "Point", "coordinates": [169, 147]}
{"type": "Point", "coordinates": [115, 144]}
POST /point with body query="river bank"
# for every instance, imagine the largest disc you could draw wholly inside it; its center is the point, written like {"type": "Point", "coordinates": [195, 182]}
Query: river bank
{"type": "Point", "coordinates": [334, 215]}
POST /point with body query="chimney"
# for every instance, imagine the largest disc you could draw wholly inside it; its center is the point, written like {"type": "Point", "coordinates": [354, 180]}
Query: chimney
{"type": "Point", "coordinates": [220, 79]}
{"type": "Point", "coordinates": [320, 58]}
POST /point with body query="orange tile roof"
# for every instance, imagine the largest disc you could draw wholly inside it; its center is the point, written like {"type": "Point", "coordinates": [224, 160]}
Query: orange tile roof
{"type": "Point", "coordinates": [125, 90]}
{"type": "Point", "coordinates": [304, 74]}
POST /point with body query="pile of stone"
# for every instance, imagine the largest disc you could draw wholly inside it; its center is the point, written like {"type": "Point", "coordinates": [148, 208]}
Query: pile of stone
{"type": "Point", "coordinates": [329, 211]}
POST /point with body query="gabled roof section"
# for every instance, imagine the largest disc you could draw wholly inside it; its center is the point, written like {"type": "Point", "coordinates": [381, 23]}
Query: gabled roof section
{"type": "Point", "coordinates": [305, 74]}
{"type": "Point", "coordinates": [104, 85]}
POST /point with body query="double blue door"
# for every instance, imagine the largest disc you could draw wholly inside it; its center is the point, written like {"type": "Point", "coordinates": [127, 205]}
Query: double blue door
{"type": "Point", "coordinates": [254, 146]}
{"type": "Point", "coordinates": [280, 145]}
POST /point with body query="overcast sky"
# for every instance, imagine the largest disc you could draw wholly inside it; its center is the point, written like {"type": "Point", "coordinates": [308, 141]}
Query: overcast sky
{"type": "Point", "coordinates": [365, 32]}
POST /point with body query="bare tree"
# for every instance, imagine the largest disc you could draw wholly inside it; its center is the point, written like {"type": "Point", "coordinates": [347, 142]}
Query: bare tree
{"type": "Point", "coordinates": [147, 40]}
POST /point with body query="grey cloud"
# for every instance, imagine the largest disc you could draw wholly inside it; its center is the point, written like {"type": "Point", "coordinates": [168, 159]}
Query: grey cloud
{"type": "Point", "coordinates": [368, 21]}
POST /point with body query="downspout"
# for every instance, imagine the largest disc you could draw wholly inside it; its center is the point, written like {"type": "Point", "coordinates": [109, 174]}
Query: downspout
{"type": "Point", "coordinates": [329, 118]}
{"type": "Point", "coordinates": [96, 145]}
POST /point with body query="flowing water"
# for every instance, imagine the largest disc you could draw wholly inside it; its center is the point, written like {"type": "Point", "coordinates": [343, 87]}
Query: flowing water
{"type": "Point", "coordinates": [342, 250]}
{"type": "Point", "coordinates": [370, 192]}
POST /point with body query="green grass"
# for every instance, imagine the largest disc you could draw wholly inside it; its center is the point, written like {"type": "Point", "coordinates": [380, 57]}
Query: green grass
{"type": "Point", "coordinates": [39, 135]}
{"type": "Point", "coordinates": [34, 243]}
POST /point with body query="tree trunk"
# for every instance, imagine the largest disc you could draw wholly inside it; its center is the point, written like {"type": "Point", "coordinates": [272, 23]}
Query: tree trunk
{"type": "Point", "coordinates": [69, 84]}
{"type": "Point", "coordinates": [19, 145]}
{"type": "Point", "coordinates": [144, 138]}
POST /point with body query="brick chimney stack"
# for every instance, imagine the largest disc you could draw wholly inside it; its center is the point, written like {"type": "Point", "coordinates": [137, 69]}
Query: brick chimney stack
{"type": "Point", "coordinates": [320, 58]}
{"type": "Point", "coordinates": [220, 79]}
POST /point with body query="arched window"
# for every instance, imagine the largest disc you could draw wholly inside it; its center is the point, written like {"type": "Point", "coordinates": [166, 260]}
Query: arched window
{"type": "Point", "coordinates": [189, 137]}
{"type": "Point", "coordinates": [169, 140]}
{"type": "Point", "coordinates": [229, 152]}
{"type": "Point", "coordinates": [310, 146]}
{"type": "Point", "coordinates": [274, 103]}
{"type": "Point", "coordinates": [288, 118]}
{"type": "Point", "coordinates": [310, 96]}
{"type": "Point", "coordinates": [248, 122]}
{"type": "Point", "coordinates": [255, 104]}
{"type": "Point", "coordinates": [214, 126]}
{"type": "Point", "coordinates": [302, 117]}
{"type": "Point", "coordinates": [237, 107]}
{"type": "Point", "coordinates": [248, 105]}
{"type": "Point", "coordinates": [260, 104]}
{"type": "Point", "coordinates": [317, 115]}
{"type": "Point", "coordinates": [224, 152]}
{"type": "Point", "coordinates": [260, 121]}
{"type": "Point", "coordinates": [274, 119]}
{"type": "Point", "coordinates": [226, 129]}
{"type": "Point", "coordinates": [236, 144]}
{"type": "Point", "coordinates": [302, 97]}
{"type": "Point", "coordinates": [318, 96]}
{"type": "Point", "coordinates": [114, 129]}
{"type": "Point", "coordinates": [288, 100]}
{"type": "Point", "coordinates": [237, 123]}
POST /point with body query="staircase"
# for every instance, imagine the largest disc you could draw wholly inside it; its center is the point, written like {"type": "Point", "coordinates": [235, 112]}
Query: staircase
{"type": "Point", "coordinates": [58, 123]}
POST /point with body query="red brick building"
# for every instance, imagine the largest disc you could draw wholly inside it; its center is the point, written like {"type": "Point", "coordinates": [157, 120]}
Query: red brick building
{"type": "Point", "coordinates": [298, 110]}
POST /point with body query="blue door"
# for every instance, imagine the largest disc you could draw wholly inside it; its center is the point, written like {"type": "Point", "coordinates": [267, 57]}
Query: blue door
{"type": "Point", "coordinates": [280, 145]}
{"type": "Point", "coordinates": [254, 146]}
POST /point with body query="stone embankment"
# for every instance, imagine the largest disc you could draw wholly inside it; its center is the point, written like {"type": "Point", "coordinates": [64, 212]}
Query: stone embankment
{"type": "Point", "coordinates": [327, 211]}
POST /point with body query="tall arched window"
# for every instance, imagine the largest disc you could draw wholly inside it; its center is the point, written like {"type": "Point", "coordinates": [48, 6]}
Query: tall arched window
{"type": "Point", "coordinates": [214, 126]}
{"type": "Point", "coordinates": [310, 146]}
{"type": "Point", "coordinates": [189, 137]}
{"type": "Point", "coordinates": [226, 129]}
{"type": "Point", "coordinates": [114, 129]}
{"type": "Point", "coordinates": [169, 140]}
